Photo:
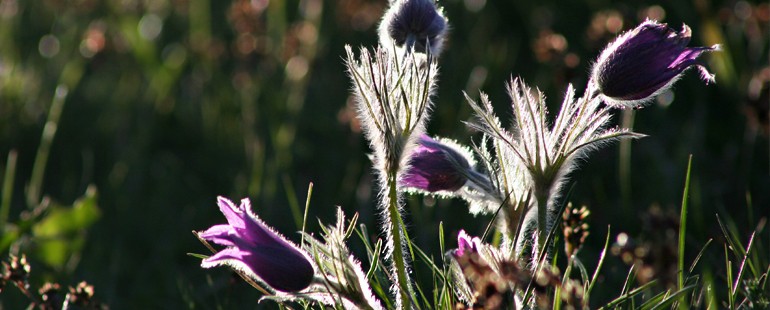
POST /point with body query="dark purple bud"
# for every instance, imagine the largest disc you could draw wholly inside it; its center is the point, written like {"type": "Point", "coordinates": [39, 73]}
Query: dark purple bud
{"type": "Point", "coordinates": [435, 167]}
{"type": "Point", "coordinates": [644, 62]}
{"type": "Point", "coordinates": [257, 250]}
{"type": "Point", "coordinates": [417, 24]}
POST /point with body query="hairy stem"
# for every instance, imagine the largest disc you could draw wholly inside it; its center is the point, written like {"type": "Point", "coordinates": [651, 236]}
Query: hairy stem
{"type": "Point", "coordinates": [541, 194]}
{"type": "Point", "coordinates": [395, 226]}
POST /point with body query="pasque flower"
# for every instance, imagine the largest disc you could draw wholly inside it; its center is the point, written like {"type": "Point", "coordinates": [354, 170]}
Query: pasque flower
{"type": "Point", "coordinates": [414, 24]}
{"type": "Point", "coordinates": [437, 166]}
{"type": "Point", "coordinates": [393, 95]}
{"type": "Point", "coordinates": [257, 250]}
{"type": "Point", "coordinates": [644, 62]}
{"type": "Point", "coordinates": [466, 244]}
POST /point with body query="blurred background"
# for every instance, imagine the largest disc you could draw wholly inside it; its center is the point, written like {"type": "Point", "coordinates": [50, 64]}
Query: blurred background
{"type": "Point", "coordinates": [121, 121]}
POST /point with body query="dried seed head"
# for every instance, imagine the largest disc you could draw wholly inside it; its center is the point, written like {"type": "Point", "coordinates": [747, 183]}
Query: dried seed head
{"type": "Point", "coordinates": [17, 271]}
{"type": "Point", "coordinates": [575, 228]}
{"type": "Point", "coordinates": [50, 294]}
{"type": "Point", "coordinates": [82, 296]}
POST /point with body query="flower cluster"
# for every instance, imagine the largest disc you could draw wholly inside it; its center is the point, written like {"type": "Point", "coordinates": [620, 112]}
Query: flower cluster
{"type": "Point", "coordinates": [518, 172]}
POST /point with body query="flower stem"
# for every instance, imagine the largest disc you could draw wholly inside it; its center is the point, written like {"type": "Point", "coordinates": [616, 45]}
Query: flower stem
{"type": "Point", "coordinates": [541, 194]}
{"type": "Point", "coordinates": [399, 260]}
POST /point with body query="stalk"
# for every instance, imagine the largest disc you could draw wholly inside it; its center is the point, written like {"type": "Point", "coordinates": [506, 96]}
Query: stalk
{"type": "Point", "coordinates": [541, 195]}
{"type": "Point", "coordinates": [44, 150]}
{"type": "Point", "coordinates": [394, 228]}
{"type": "Point", "coordinates": [7, 194]}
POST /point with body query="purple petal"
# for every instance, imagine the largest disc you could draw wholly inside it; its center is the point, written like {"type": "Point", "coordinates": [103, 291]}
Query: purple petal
{"type": "Point", "coordinates": [232, 213]}
{"type": "Point", "coordinates": [284, 269]}
{"type": "Point", "coordinates": [431, 172]}
{"type": "Point", "coordinates": [435, 167]}
{"type": "Point", "coordinates": [258, 233]}
{"type": "Point", "coordinates": [220, 234]}
{"type": "Point", "coordinates": [249, 227]}
{"type": "Point", "coordinates": [223, 256]}
{"type": "Point", "coordinates": [464, 243]}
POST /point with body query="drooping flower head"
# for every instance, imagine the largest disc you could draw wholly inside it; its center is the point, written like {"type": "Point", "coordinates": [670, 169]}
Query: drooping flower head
{"type": "Point", "coordinates": [437, 166]}
{"type": "Point", "coordinates": [257, 250]}
{"type": "Point", "coordinates": [644, 62]}
{"type": "Point", "coordinates": [414, 24]}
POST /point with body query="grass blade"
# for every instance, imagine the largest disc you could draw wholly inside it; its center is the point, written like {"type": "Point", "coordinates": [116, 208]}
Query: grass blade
{"type": "Point", "coordinates": [700, 254]}
{"type": "Point", "coordinates": [729, 265]}
{"type": "Point", "coordinates": [628, 296]}
{"type": "Point", "coordinates": [307, 208]}
{"type": "Point", "coordinates": [629, 278]}
{"type": "Point", "coordinates": [743, 265]}
{"type": "Point", "coordinates": [683, 234]}
{"type": "Point", "coordinates": [671, 298]}
{"type": "Point", "coordinates": [599, 264]}
{"type": "Point", "coordinates": [683, 227]}
{"type": "Point", "coordinates": [5, 203]}
{"type": "Point", "coordinates": [653, 301]}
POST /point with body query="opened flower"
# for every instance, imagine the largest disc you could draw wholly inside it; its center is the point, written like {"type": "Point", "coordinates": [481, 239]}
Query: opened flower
{"type": "Point", "coordinates": [437, 166]}
{"type": "Point", "coordinates": [257, 250]}
{"type": "Point", "coordinates": [644, 62]}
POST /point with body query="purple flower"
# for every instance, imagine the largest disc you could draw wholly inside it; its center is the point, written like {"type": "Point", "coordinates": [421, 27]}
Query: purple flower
{"type": "Point", "coordinates": [257, 250]}
{"type": "Point", "coordinates": [466, 244]}
{"type": "Point", "coordinates": [644, 62]}
{"type": "Point", "coordinates": [435, 167]}
{"type": "Point", "coordinates": [417, 24]}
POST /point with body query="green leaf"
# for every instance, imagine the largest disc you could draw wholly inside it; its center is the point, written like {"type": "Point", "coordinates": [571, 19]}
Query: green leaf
{"type": "Point", "coordinates": [9, 236]}
{"type": "Point", "coordinates": [682, 234]}
{"type": "Point", "coordinates": [196, 255]}
{"type": "Point", "coordinates": [61, 232]}
{"type": "Point", "coordinates": [627, 297]}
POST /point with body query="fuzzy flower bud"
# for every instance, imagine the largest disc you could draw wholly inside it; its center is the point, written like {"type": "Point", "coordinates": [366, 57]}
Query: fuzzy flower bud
{"type": "Point", "coordinates": [437, 166]}
{"type": "Point", "coordinates": [644, 62]}
{"type": "Point", "coordinates": [257, 250]}
{"type": "Point", "coordinates": [414, 24]}
{"type": "Point", "coordinates": [466, 244]}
